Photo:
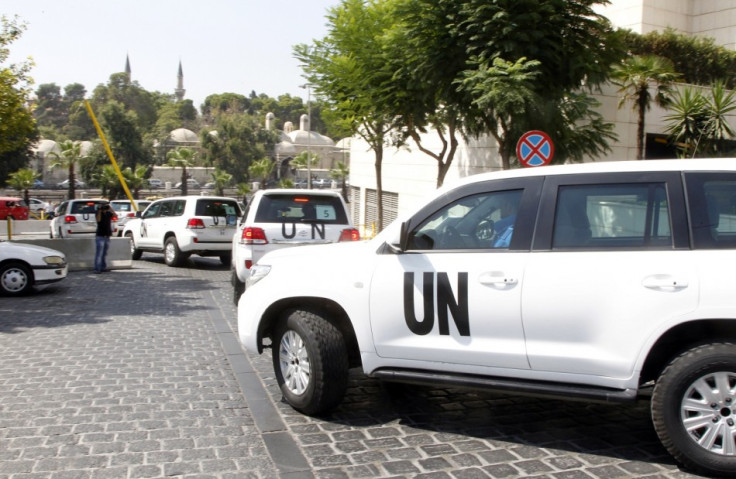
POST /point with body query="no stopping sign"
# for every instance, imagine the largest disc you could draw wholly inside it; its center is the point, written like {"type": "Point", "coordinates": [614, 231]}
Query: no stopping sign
{"type": "Point", "coordinates": [535, 148]}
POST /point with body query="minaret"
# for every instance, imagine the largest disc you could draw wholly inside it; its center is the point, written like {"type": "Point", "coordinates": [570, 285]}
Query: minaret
{"type": "Point", "coordinates": [127, 67]}
{"type": "Point", "coordinates": [179, 92]}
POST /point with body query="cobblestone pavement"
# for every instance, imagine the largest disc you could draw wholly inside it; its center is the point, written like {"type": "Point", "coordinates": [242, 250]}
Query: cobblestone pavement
{"type": "Point", "coordinates": [137, 373]}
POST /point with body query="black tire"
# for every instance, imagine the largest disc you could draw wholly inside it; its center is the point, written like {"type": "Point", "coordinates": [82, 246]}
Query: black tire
{"type": "Point", "coordinates": [135, 253]}
{"type": "Point", "coordinates": [226, 258]}
{"type": "Point", "coordinates": [694, 408]}
{"type": "Point", "coordinates": [238, 287]}
{"type": "Point", "coordinates": [310, 361]}
{"type": "Point", "coordinates": [15, 279]}
{"type": "Point", "coordinates": [172, 254]}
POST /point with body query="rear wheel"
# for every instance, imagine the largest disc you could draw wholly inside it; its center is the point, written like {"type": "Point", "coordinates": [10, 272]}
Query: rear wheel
{"type": "Point", "coordinates": [694, 408]}
{"type": "Point", "coordinates": [135, 253]}
{"type": "Point", "coordinates": [172, 254]}
{"type": "Point", "coordinates": [310, 361]}
{"type": "Point", "coordinates": [15, 279]}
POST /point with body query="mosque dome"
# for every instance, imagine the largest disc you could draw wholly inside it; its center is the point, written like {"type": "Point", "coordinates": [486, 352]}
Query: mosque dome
{"type": "Point", "coordinates": [285, 148]}
{"type": "Point", "coordinates": [85, 147]}
{"type": "Point", "coordinates": [343, 144]}
{"type": "Point", "coordinates": [182, 135]}
{"type": "Point", "coordinates": [44, 147]}
{"type": "Point", "coordinates": [312, 138]}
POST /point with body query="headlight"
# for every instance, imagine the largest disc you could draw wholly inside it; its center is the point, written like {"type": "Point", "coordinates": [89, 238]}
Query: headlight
{"type": "Point", "coordinates": [53, 260]}
{"type": "Point", "coordinates": [257, 273]}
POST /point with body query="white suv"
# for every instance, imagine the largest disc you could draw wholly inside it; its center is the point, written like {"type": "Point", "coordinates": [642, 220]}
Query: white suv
{"type": "Point", "coordinates": [281, 218]}
{"type": "Point", "coordinates": [184, 225]}
{"type": "Point", "coordinates": [76, 219]}
{"type": "Point", "coordinates": [602, 281]}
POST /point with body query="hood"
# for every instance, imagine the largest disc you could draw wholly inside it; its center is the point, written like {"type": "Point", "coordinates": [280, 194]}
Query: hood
{"type": "Point", "coordinates": [20, 249]}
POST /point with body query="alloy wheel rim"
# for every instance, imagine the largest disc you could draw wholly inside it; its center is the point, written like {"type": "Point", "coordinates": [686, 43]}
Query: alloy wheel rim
{"type": "Point", "coordinates": [708, 412]}
{"type": "Point", "coordinates": [294, 362]}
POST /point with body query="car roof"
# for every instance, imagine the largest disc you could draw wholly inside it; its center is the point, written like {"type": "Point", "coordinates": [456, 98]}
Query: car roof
{"type": "Point", "coordinates": [297, 191]}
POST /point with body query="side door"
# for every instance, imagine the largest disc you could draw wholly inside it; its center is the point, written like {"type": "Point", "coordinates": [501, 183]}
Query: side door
{"type": "Point", "coordinates": [454, 294]}
{"type": "Point", "coordinates": [147, 221]}
{"type": "Point", "coordinates": [611, 268]}
{"type": "Point", "coordinates": [157, 226]}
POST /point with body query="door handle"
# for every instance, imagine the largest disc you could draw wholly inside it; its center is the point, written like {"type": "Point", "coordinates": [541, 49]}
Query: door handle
{"type": "Point", "coordinates": [495, 278]}
{"type": "Point", "coordinates": [666, 282]}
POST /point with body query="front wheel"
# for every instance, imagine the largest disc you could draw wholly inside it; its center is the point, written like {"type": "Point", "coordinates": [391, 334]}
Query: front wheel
{"type": "Point", "coordinates": [135, 253]}
{"type": "Point", "coordinates": [694, 408]}
{"type": "Point", "coordinates": [172, 254]}
{"type": "Point", "coordinates": [15, 279]}
{"type": "Point", "coordinates": [310, 361]}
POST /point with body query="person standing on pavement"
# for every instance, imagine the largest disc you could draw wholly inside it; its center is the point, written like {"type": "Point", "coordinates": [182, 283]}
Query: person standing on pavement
{"type": "Point", "coordinates": [104, 217]}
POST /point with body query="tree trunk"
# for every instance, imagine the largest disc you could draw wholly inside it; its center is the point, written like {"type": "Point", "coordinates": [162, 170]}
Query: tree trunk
{"type": "Point", "coordinates": [379, 187]}
{"type": "Point", "coordinates": [184, 183]}
{"type": "Point", "coordinates": [642, 106]}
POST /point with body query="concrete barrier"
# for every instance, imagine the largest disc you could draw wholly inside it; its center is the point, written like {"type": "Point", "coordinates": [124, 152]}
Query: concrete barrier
{"type": "Point", "coordinates": [80, 252]}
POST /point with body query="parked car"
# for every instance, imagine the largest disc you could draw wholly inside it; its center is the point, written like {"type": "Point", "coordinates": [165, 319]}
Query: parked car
{"type": "Point", "coordinates": [76, 219]}
{"type": "Point", "coordinates": [13, 207]}
{"type": "Point", "coordinates": [126, 212]}
{"type": "Point", "coordinates": [191, 183]}
{"type": "Point", "coordinates": [209, 186]}
{"type": "Point", "coordinates": [37, 205]}
{"type": "Point", "coordinates": [610, 282]}
{"type": "Point", "coordinates": [77, 184]}
{"type": "Point", "coordinates": [23, 266]}
{"type": "Point", "coordinates": [38, 184]}
{"type": "Point", "coordinates": [282, 218]}
{"type": "Point", "coordinates": [184, 225]}
{"type": "Point", "coordinates": [155, 183]}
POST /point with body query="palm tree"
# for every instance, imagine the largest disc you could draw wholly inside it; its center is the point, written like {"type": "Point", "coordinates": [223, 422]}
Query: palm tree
{"type": "Point", "coordinates": [221, 179]}
{"type": "Point", "coordinates": [341, 174]}
{"type": "Point", "coordinates": [243, 190]}
{"type": "Point", "coordinates": [22, 180]}
{"type": "Point", "coordinates": [107, 179]}
{"type": "Point", "coordinates": [71, 153]}
{"type": "Point", "coordinates": [261, 170]}
{"type": "Point", "coordinates": [182, 157]}
{"type": "Point", "coordinates": [135, 178]}
{"type": "Point", "coordinates": [634, 77]}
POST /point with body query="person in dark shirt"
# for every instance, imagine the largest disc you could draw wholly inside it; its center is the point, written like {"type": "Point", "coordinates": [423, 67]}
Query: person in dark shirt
{"type": "Point", "coordinates": [104, 217]}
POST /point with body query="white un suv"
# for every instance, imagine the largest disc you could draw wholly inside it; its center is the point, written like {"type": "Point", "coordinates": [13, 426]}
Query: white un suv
{"type": "Point", "coordinates": [184, 225]}
{"type": "Point", "coordinates": [603, 281]}
{"type": "Point", "coordinates": [277, 219]}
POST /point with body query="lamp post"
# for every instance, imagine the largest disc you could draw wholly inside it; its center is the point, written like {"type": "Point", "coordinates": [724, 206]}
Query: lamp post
{"type": "Point", "coordinates": [309, 134]}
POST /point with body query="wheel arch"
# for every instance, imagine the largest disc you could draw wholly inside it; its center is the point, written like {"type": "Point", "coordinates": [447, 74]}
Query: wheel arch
{"type": "Point", "coordinates": [328, 309]}
{"type": "Point", "coordinates": [29, 267]}
{"type": "Point", "coordinates": [681, 338]}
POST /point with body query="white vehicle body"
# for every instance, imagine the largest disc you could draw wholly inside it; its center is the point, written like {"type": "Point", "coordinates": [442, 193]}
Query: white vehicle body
{"type": "Point", "coordinates": [615, 284]}
{"type": "Point", "coordinates": [281, 218]}
{"type": "Point", "coordinates": [23, 266]}
{"type": "Point", "coordinates": [184, 225]}
{"type": "Point", "coordinates": [126, 212]}
{"type": "Point", "coordinates": [76, 219]}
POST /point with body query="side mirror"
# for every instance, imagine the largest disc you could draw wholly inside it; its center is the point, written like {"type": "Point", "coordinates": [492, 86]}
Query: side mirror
{"type": "Point", "coordinates": [399, 240]}
{"type": "Point", "coordinates": [138, 213]}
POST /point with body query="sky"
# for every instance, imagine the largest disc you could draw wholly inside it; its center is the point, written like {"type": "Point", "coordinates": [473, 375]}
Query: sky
{"type": "Point", "coordinates": [224, 46]}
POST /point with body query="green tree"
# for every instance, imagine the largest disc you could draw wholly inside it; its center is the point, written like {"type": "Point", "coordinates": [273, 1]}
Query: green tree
{"type": "Point", "coordinates": [347, 68]}
{"type": "Point", "coordinates": [221, 179]}
{"type": "Point", "coordinates": [182, 157]}
{"type": "Point", "coordinates": [71, 154]}
{"type": "Point", "coordinates": [123, 134]}
{"type": "Point", "coordinates": [636, 77]}
{"type": "Point", "coordinates": [107, 179]}
{"type": "Point", "coordinates": [17, 126]}
{"type": "Point", "coordinates": [243, 189]}
{"type": "Point", "coordinates": [22, 180]}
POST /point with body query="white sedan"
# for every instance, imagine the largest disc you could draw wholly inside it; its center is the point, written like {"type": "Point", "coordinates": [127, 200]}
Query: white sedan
{"type": "Point", "coordinates": [23, 266]}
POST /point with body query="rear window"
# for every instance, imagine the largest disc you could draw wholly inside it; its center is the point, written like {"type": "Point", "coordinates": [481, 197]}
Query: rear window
{"type": "Point", "coordinates": [87, 207]}
{"type": "Point", "coordinates": [290, 208]}
{"type": "Point", "coordinates": [223, 208]}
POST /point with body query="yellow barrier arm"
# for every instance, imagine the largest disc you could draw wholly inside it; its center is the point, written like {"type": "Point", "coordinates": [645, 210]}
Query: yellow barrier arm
{"type": "Point", "coordinates": [109, 154]}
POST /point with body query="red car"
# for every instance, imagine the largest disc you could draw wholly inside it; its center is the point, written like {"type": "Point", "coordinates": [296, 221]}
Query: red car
{"type": "Point", "coordinates": [14, 208]}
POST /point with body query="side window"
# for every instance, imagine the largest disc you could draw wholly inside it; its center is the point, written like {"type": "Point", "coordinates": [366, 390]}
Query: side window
{"type": "Point", "coordinates": [178, 208]}
{"type": "Point", "coordinates": [481, 221]}
{"type": "Point", "coordinates": [166, 208]}
{"type": "Point", "coordinates": [612, 216]}
{"type": "Point", "coordinates": [152, 210]}
{"type": "Point", "coordinates": [712, 198]}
